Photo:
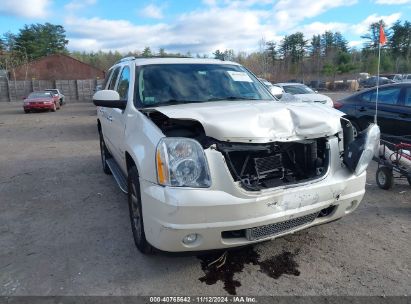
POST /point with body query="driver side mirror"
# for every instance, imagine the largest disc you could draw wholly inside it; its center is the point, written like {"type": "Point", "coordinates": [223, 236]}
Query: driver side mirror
{"type": "Point", "coordinates": [276, 91]}
{"type": "Point", "coordinates": [109, 99]}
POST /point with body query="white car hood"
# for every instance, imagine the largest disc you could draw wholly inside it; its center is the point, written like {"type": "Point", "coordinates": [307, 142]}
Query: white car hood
{"type": "Point", "coordinates": [259, 121]}
{"type": "Point", "coordinates": [315, 97]}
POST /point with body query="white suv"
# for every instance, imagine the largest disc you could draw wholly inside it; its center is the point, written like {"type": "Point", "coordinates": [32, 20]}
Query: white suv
{"type": "Point", "coordinates": [210, 159]}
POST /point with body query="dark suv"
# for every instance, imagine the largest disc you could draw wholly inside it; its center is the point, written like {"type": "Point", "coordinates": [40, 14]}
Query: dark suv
{"type": "Point", "coordinates": [394, 108]}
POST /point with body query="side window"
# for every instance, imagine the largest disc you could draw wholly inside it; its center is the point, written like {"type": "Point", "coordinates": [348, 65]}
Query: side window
{"type": "Point", "coordinates": [109, 72]}
{"type": "Point", "coordinates": [408, 97]}
{"type": "Point", "coordinates": [113, 79]}
{"type": "Point", "coordinates": [123, 83]}
{"type": "Point", "coordinates": [366, 97]}
{"type": "Point", "coordinates": [387, 96]}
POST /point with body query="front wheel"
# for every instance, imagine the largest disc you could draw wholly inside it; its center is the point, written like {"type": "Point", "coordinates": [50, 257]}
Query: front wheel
{"type": "Point", "coordinates": [104, 155]}
{"type": "Point", "coordinates": [385, 178]}
{"type": "Point", "coordinates": [409, 179]}
{"type": "Point", "coordinates": [136, 214]}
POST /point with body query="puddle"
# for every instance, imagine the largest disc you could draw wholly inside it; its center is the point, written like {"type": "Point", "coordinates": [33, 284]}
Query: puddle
{"type": "Point", "coordinates": [221, 266]}
{"type": "Point", "coordinates": [278, 265]}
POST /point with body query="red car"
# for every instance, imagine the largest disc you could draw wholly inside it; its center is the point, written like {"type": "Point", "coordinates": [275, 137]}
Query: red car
{"type": "Point", "coordinates": [40, 101]}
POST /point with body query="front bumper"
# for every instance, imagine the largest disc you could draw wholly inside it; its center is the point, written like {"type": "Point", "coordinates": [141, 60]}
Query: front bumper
{"type": "Point", "coordinates": [45, 106]}
{"type": "Point", "coordinates": [172, 213]}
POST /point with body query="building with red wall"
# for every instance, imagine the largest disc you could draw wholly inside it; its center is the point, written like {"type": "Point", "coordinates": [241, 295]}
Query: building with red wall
{"type": "Point", "coordinates": [56, 67]}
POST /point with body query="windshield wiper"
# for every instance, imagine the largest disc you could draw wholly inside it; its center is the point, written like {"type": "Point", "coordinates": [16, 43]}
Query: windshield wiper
{"type": "Point", "coordinates": [231, 98]}
{"type": "Point", "coordinates": [171, 102]}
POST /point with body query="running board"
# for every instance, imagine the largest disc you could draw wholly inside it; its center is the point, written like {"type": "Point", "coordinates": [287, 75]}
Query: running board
{"type": "Point", "coordinates": [118, 174]}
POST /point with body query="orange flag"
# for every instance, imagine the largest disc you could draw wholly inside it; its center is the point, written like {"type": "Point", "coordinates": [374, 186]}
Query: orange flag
{"type": "Point", "coordinates": [383, 39]}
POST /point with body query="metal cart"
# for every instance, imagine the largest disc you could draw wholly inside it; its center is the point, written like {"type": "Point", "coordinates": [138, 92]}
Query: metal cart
{"type": "Point", "coordinates": [394, 161]}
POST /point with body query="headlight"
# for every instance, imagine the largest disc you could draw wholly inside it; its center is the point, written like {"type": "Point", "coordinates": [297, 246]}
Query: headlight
{"type": "Point", "coordinates": [361, 151]}
{"type": "Point", "coordinates": [181, 162]}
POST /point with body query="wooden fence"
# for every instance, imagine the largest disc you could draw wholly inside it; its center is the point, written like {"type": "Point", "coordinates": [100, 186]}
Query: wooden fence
{"type": "Point", "coordinates": [73, 90]}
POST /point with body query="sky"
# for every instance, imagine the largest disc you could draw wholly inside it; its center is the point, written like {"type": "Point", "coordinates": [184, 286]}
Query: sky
{"type": "Point", "coordinates": [198, 26]}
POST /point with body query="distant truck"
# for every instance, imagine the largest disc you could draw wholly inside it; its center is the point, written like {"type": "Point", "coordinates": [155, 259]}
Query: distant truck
{"type": "Point", "coordinates": [57, 93]}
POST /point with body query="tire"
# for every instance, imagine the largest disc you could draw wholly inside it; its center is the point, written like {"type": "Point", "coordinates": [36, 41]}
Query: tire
{"type": "Point", "coordinates": [384, 178]}
{"type": "Point", "coordinates": [136, 214]}
{"type": "Point", "coordinates": [105, 154]}
{"type": "Point", "coordinates": [409, 179]}
{"type": "Point", "coordinates": [26, 111]}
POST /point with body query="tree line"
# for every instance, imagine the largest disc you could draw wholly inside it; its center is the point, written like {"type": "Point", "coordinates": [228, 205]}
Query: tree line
{"type": "Point", "coordinates": [295, 57]}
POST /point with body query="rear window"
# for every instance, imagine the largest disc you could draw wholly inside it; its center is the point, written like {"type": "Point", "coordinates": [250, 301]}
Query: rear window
{"type": "Point", "coordinates": [385, 96]}
{"type": "Point", "coordinates": [297, 89]}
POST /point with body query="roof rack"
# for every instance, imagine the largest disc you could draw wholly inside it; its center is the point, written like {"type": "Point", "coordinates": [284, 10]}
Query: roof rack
{"type": "Point", "coordinates": [129, 58]}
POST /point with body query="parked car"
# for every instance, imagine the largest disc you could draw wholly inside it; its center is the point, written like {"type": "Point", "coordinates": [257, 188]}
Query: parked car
{"type": "Point", "coordinates": [393, 77]}
{"type": "Point", "coordinates": [209, 159]}
{"type": "Point", "coordinates": [372, 81]}
{"type": "Point", "coordinates": [57, 93]}
{"type": "Point", "coordinates": [305, 93]}
{"type": "Point", "coordinates": [275, 90]}
{"type": "Point", "coordinates": [406, 78]}
{"type": "Point", "coordinates": [40, 101]}
{"type": "Point", "coordinates": [394, 109]}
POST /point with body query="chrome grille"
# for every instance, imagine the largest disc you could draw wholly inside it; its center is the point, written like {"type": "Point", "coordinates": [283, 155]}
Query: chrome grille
{"type": "Point", "coordinates": [277, 228]}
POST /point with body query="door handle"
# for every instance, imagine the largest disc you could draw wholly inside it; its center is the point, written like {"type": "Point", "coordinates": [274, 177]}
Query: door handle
{"type": "Point", "coordinates": [110, 118]}
{"type": "Point", "coordinates": [362, 109]}
{"type": "Point", "coordinates": [404, 115]}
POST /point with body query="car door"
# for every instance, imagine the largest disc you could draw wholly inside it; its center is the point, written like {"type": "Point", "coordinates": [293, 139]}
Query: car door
{"type": "Point", "coordinates": [106, 113]}
{"type": "Point", "coordinates": [404, 115]}
{"type": "Point", "coordinates": [388, 100]}
{"type": "Point", "coordinates": [117, 115]}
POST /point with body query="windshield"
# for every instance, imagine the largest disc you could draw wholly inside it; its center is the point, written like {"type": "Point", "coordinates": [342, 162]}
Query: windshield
{"type": "Point", "coordinates": [39, 95]}
{"type": "Point", "coordinates": [297, 89]}
{"type": "Point", "coordinates": [52, 91]}
{"type": "Point", "coordinates": [165, 84]}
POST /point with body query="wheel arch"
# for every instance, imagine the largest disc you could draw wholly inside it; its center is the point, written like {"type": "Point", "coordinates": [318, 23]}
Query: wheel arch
{"type": "Point", "coordinates": [99, 126]}
{"type": "Point", "coordinates": [130, 161]}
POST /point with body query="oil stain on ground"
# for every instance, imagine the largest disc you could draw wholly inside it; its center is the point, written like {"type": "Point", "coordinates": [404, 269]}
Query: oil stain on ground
{"type": "Point", "coordinates": [222, 266]}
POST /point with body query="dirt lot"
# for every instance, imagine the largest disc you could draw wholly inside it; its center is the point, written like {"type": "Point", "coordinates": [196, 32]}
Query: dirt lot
{"type": "Point", "coordinates": [64, 230]}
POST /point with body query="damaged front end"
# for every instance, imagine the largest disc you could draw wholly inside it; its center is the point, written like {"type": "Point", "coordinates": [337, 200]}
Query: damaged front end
{"type": "Point", "coordinates": [257, 166]}
{"type": "Point", "coordinates": [262, 166]}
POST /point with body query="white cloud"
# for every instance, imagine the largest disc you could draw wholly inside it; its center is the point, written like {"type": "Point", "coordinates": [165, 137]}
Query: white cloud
{"type": "Point", "coordinates": [392, 2]}
{"type": "Point", "coordinates": [79, 4]}
{"type": "Point", "coordinates": [152, 11]}
{"type": "Point", "coordinates": [199, 31]}
{"type": "Point", "coordinates": [288, 13]}
{"type": "Point", "coordinates": [363, 27]}
{"type": "Point", "coordinates": [355, 43]}
{"type": "Point", "coordinates": [316, 28]}
{"type": "Point", "coordinates": [223, 24]}
{"type": "Point", "coordinates": [25, 9]}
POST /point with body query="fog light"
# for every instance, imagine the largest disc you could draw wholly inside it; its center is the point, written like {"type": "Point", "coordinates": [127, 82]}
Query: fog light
{"type": "Point", "coordinates": [190, 238]}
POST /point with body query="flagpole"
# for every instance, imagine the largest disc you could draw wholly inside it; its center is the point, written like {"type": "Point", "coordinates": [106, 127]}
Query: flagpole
{"type": "Point", "coordinates": [378, 82]}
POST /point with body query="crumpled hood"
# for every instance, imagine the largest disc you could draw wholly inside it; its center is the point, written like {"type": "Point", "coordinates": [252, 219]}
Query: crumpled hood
{"type": "Point", "coordinates": [259, 121]}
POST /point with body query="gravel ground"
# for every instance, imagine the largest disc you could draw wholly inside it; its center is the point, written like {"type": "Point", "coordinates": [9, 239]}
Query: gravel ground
{"type": "Point", "coordinates": [64, 230]}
